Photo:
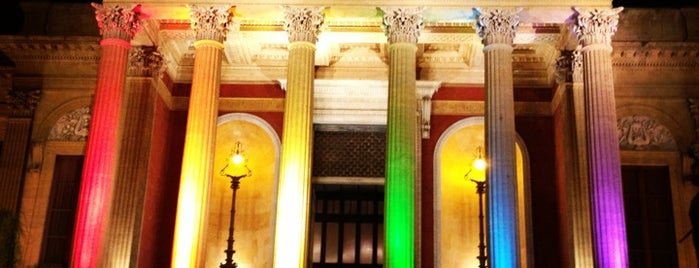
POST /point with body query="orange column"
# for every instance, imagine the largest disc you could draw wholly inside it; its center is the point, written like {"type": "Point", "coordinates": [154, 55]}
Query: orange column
{"type": "Point", "coordinates": [211, 26]}
{"type": "Point", "coordinates": [117, 25]}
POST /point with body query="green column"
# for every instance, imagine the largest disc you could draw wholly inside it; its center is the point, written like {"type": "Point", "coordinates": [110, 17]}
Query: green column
{"type": "Point", "coordinates": [402, 27]}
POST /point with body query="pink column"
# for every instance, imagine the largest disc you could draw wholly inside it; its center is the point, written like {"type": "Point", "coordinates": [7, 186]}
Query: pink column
{"type": "Point", "coordinates": [117, 26]}
{"type": "Point", "coordinates": [595, 28]}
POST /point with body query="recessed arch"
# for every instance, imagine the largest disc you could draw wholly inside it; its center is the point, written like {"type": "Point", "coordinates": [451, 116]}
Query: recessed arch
{"type": "Point", "coordinates": [456, 203]}
{"type": "Point", "coordinates": [255, 207]}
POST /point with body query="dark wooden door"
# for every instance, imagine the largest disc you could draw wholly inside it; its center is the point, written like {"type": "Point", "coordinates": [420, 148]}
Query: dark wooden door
{"type": "Point", "coordinates": [650, 226]}
{"type": "Point", "coordinates": [58, 231]}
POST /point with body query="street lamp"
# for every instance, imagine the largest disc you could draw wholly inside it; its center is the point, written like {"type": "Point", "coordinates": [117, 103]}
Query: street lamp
{"type": "Point", "coordinates": [480, 165]}
{"type": "Point", "coordinates": [238, 170]}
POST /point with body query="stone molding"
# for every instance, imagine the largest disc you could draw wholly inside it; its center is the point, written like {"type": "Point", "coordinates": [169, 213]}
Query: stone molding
{"type": "Point", "coordinates": [595, 26]}
{"type": "Point", "coordinates": [146, 61]}
{"type": "Point", "coordinates": [72, 126]}
{"type": "Point", "coordinates": [118, 22]}
{"type": "Point", "coordinates": [211, 23]}
{"type": "Point", "coordinates": [402, 25]}
{"type": "Point", "coordinates": [497, 26]}
{"type": "Point", "coordinates": [303, 24]}
{"type": "Point", "coordinates": [642, 133]}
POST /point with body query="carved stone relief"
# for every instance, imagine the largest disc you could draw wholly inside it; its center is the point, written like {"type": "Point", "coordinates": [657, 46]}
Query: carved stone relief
{"type": "Point", "coordinates": [72, 126]}
{"type": "Point", "coordinates": [642, 133]}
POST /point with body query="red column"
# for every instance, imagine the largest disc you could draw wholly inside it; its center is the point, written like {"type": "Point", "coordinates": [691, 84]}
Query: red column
{"type": "Point", "coordinates": [117, 26]}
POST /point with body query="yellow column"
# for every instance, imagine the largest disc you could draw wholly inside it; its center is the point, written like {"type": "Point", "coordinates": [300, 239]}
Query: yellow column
{"type": "Point", "coordinates": [211, 26]}
{"type": "Point", "coordinates": [403, 27]}
{"type": "Point", "coordinates": [293, 201]}
{"type": "Point", "coordinates": [497, 29]}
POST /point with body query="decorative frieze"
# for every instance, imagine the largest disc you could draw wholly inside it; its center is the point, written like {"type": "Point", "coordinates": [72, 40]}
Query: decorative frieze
{"type": "Point", "coordinates": [497, 26]}
{"type": "Point", "coordinates": [118, 22]}
{"type": "Point", "coordinates": [642, 133]}
{"type": "Point", "coordinates": [402, 24]}
{"type": "Point", "coordinates": [72, 126]}
{"type": "Point", "coordinates": [303, 24]}
{"type": "Point", "coordinates": [595, 26]}
{"type": "Point", "coordinates": [22, 102]}
{"type": "Point", "coordinates": [211, 23]}
{"type": "Point", "coordinates": [146, 61]}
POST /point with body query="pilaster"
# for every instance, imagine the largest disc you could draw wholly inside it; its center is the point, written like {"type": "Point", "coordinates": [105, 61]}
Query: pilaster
{"type": "Point", "coordinates": [402, 27]}
{"type": "Point", "coordinates": [117, 26]}
{"type": "Point", "coordinates": [594, 28]}
{"type": "Point", "coordinates": [211, 25]}
{"type": "Point", "coordinates": [303, 25]}
{"type": "Point", "coordinates": [497, 28]}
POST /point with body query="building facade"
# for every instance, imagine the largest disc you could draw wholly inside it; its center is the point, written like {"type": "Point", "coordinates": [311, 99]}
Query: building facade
{"type": "Point", "coordinates": [358, 121]}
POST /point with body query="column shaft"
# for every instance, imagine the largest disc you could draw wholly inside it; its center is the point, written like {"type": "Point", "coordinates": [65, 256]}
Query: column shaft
{"type": "Point", "coordinates": [12, 162]}
{"type": "Point", "coordinates": [607, 197]}
{"type": "Point", "coordinates": [401, 140]}
{"type": "Point", "coordinates": [198, 156]}
{"type": "Point", "coordinates": [101, 155]}
{"type": "Point", "coordinates": [291, 235]}
{"type": "Point", "coordinates": [501, 157]}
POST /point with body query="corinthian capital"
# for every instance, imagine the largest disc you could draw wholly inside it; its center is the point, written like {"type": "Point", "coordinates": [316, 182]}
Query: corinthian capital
{"type": "Point", "coordinates": [595, 26]}
{"type": "Point", "coordinates": [303, 24]}
{"type": "Point", "coordinates": [145, 61]}
{"type": "Point", "coordinates": [118, 22]}
{"type": "Point", "coordinates": [211, 23]}
{"type": "Point", "coordinates": [402, 25]}
{"type": "Point", "coordinates": [497, 26]}
{"type": "Point", "coordinates": [569, 66]}
{"type": "Point", "coordinates": [23, 102]}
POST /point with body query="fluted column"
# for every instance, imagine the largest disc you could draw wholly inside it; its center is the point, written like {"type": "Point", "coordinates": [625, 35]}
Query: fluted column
{"type": "Point", "coordinates": [117, 26]}
{"type": "Point", "coordinates": [570, 79]}
{"type": "Point", "coordinates": [15, 144]}
{"type": "Point", "coordinates": [302, 24]}
{"type": "Point", "coordinates": [497, 28]}
{"type": "Point", "coordinates": [210, 25]}
{"type": "Point", "coordinates": [129, 186]}
{"type": "Point", "coordinates": [595, 28]}
{"type": "Point", "coordinates": [402, 26]}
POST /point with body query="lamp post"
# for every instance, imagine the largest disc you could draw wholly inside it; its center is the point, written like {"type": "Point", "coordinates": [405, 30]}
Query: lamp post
{"type": "Point", "coordinates": [480, 164]}
{"type": "Point", "coordinates": [236, 160]}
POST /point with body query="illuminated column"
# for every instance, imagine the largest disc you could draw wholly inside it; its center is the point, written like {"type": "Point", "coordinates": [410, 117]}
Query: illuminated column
{"type": "Point", "coordinates": [14, 151]}
{"type": "Point", "coordinates": [402, 27]}
{"type": "Point", "coordinates": [129, 185]}
{"type": "Point", "coordinates": [570, 79]}
{"type": "Point", "coordinates": [117, 25]}
{"type": "Point", "coordinates": [497, 28]}
{"type": "Point", "coordinates": [293, 201]}
{"type": "Point", "coordinates": [595, 28]}
{"type": "Point", "coordinates": [210, 25]}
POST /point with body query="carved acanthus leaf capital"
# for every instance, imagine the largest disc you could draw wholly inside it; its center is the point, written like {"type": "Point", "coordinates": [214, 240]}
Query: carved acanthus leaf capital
{"type": "Point", "coordinates": [402, 25]}
{"type": "Point", "coordinates": [595, 26]}
{"type": "Point", "coordinates": [303, 24]}
{"type": "Point", "coordinates": [119, 22]}
{"type": "Point", "coordinates": [23, 102]}
{"type": "Point", "coordinates": [146, 61]}
{"type": "Point", "coordinates": [211, 23]}
{"type": "Point", "coordinates": [497, 26]}
{"type": "Point", "coordinates": [569, 66]}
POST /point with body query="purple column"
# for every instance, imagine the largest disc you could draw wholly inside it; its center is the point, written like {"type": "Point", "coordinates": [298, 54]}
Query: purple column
{"type": "Point", "coordinates": [595, 28]}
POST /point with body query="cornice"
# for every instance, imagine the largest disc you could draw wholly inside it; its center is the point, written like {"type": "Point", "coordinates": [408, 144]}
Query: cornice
{"type": "Point", "coordinates": [37, 48]}
{"type": "Point", "coordinates": [656, 54]}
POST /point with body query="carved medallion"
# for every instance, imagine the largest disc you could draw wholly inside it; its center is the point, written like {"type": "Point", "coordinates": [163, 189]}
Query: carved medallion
{"type": "Point", "coordinates": [642, 133]}
{"type": "Point", "coordinates": [73, 126]}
